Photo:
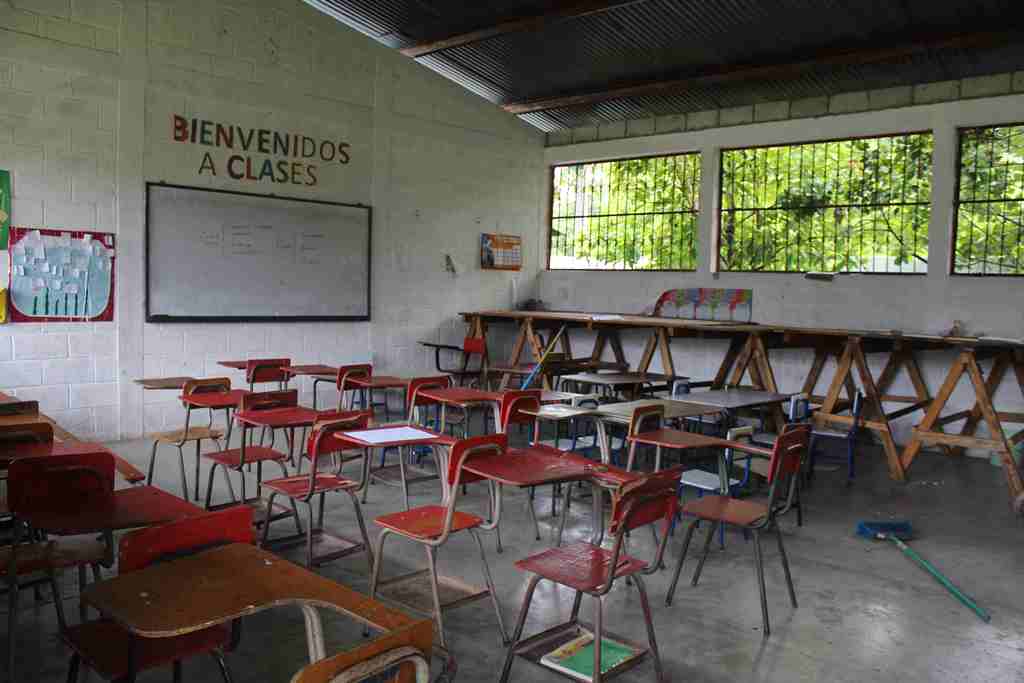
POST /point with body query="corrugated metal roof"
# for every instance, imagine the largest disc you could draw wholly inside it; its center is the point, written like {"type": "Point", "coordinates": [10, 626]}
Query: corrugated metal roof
{"type": "Point", "coordinates": [657, 40]}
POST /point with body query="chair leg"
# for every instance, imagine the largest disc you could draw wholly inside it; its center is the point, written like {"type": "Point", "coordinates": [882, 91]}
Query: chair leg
{"type": "Point", "coordinates": [632, 457]}
{"type": "Point", "coordinates": [378, 560]}
{"type": "Point", "coordinates": [436, 595]}
{"type": "Point", "coordinates": [83, 612]}
{"type": "Point", "coordinates": [401, 472]}
{"type": "Point", "coordinates": [850, 474]}
{"type": "Point", "coordinates": [176, 672]}
{"type": "Point", "coordinates": [73, 665]}
{"type": "Point", "coordinates": [362, 530]}
{"type": "Point", "coordinates": [209, 485]}
{"type": "Point", "coordinates": [598, 631]}
{"type": "Point", "coordinates": [533, 518]}
{"type": "Point", "coordinates": [679, 563]}
{"type": "Point", "coordinates": [152, 464]}
{"type": "Point", "coordinates": [518, 633]}
{"type": "Point", "coordinates": [222, 665]}
{"type": "Point", "coordinates": [704, 556]}
{"type": "Point", "coordinates": [198, 444]}
{"type": "Point", "coordinates": [659, 674]}
{"type": "Point", "coordinates": [490, 585]}
{"type": "Point", "coordinates": [759, 566]}
{"type": "Point", "coordinates": [266, 522]}
{"type": "Point", "coordinates": [12, 627]}
{"type": "Point", "coordinates": [184, 479]}
{"type": "Point", "coordinates": [785, 567]}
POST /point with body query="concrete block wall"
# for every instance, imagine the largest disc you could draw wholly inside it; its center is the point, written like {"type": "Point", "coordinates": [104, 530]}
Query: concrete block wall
{"type": "Point", "coordinates": [928, 302]}
{"type": "Point", "coordinates": [87, 92]}
{"type": "Point", "coordinates": [840, 103]}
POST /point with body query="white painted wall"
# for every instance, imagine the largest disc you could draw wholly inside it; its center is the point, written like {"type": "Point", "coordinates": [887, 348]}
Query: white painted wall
{"type": "Point", "coordinates": [927, 303]}
{"type": "Point", "coordinates": [87, 91]}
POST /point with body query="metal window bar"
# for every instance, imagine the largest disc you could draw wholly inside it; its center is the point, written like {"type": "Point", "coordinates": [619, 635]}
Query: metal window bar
{"type": "Point", "coordinates": [854, 205]}
{"type": "Point", "coordinates": [989, 229]}
{"type": "Point", "coordinates": [627, 214]}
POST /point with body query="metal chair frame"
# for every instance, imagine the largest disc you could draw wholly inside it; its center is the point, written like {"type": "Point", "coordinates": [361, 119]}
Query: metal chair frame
{"type": "Point", "coordinates": [784, 473]}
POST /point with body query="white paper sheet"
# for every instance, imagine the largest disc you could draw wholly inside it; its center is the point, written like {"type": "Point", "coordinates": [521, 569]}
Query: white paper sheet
{"type": "Point", "coordinates": [390, 435]}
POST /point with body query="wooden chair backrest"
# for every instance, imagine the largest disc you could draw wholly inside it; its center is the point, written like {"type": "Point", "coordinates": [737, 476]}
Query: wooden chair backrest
{"type": "Point", "coordinates": [60, 483]}
{"type": "Point", "coordinates": [643, 416]}
{"type": "Point", "coordinates": [260, 370]}
{"type": "Point", "coordinates": [141, 548]}
{"type": "Point", "coordinates": [514, 402]}
{"type": "Point", "coordinates": [30, 432]}
{"type": "Point", "coordinates": [206, 385]}
{"type": "Point", "coordinates": [419, 384]}
{"type": "Point", "coordinates": [347, 372]}
{"type": "Point", "coordinates": [474, 345]}
{"type": "Point", "coordinates": [473, 447]}
{"type": "Point", "coordinates": [787, 458]}
{"type": "Point", "coordinates": [268, 400]}
{"type": "Point", "coordinates": [646, 500]}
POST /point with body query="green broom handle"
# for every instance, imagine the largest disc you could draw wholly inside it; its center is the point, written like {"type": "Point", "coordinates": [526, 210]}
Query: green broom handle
{"type": "Point", "coordinates": [938, 576]}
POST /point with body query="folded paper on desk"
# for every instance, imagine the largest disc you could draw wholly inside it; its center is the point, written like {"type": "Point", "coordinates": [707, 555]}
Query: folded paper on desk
{"type": "Point", "coordinates": [605, 316]}
{"type": "Point", "coordinates": [390, 435]}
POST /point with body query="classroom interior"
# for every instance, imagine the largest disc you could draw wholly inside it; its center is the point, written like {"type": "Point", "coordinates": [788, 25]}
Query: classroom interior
{"type": "Point", "coordinates": [520, 340]}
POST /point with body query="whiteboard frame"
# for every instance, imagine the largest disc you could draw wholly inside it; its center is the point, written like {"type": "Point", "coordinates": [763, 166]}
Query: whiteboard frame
{"type": "Point", "coordinates": [164, 318]}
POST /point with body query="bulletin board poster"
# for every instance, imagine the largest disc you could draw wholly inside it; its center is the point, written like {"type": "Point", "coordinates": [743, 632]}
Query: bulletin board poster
{"type": "Point", "coordinates": [5, 207]}
{"type": "Point", "coordinates": [61, 276]}
{"type": "Point", "coordinates": [501, 252]}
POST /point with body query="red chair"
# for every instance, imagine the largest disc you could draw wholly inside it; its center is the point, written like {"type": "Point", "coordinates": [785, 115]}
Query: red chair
{"type": "Point", "coordinates": [513, 405]}
{"type": "Point", "coordinates": [236, 459]}
{"type": "Point", "coordinates": [783, 473]}
{"type": "Point", "coordinates": [462, 374]}
{"type": "Point", "coordinates": [267, 370]}
{"type": "Point", "coordinates": [415, 404]}
{"type": "Point", "coordinates": [111, 651]}
{"type": "Point", "coordinates": [591, 569]}
{"type": "Point", "coordinates": [324, 440]}
{"type": "Point", "coordinates": [390, 663]}
{"type": "Point", "coordinates": [53, 485]}
{"type": "Point", "coordinates": [431, 525]}
{"type": "Point", "coordinates": [343, 383]}
{"type": "Point", "coordinates": [645, 418]}
{"type": "Point", "coordinates": [179, 437]}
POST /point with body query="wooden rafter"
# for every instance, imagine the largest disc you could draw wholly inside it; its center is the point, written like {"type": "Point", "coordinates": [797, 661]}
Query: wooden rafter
{"type": "Point", "coordinates": [718, 75]}
{"type": "Point", "coordinates": [558, 11]}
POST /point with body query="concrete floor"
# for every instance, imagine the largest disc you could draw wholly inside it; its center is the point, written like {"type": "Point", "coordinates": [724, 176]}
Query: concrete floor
{"type": "Point", "coordinates": [866, 613]}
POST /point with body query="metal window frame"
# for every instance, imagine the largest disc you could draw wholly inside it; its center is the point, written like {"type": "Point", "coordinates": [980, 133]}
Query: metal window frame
{"type": "Point", "coordinates": [796, 143]}
{"type": "Point", "coordinates": [551, 213]}
{"type": "Point", "coordinates": [951, 266]}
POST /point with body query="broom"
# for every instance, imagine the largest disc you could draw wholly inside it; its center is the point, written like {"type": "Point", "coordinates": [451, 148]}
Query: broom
{"type": "Point", "coordinates": [897, 532]}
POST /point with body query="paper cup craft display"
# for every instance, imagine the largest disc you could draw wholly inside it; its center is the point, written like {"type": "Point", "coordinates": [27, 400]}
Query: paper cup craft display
{"type": "Point", "coordinates": [59, 275]}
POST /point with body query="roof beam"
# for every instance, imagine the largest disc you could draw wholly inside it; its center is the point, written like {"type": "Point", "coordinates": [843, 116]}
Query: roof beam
{"type": "Point", "coordinates": [717, 75]}
{"type": "Point", "coordinates": [558, 11]}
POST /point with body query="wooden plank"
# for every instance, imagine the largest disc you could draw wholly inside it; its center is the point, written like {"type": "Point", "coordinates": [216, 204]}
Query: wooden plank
{"type": "Point", "coordinates": [953, 417]}
{"type": "Point", "coordinates": [736, 344]}
{"type": "Point", "coordinates": [911, 450]}
{"type": "Point", "coordinates": [995, 378]}
{"type": "Point", "coordinates": [715, 74]}
{"type": "Point", "coordinates": [896, 414]}
{"type": "Point", "coordinates": [838, 380]}
{"type": "Point", "coordinates": [1013, 418]}
{"type": "Point", "coordinates": [995, 428]}
{"type": "Point", "coordinates": [874, 403]}
{"type": "Point", "coordinates": [667, 365]}
{"type": "Point", "coordinates": [648, 354]}
{"type": "Point", "coordinates": [555, 12]}
{"type": "Point", "coordinates": [817, 365]}
{"type": "Point", "coordinates": [956, 440]}
{"type": "Point", "coordinates": [899, 398]}
{"type": "Point", "coordinates": [617, 350]}
{"type": "Point", "coordinates": [517, 352]}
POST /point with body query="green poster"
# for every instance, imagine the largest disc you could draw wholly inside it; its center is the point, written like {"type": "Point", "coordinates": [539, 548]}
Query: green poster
{"type": "Point", "coordinates": [5, 207]}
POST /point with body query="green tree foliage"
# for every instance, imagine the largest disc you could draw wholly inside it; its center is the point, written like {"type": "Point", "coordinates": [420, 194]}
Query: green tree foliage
{"type": "Point", "coordinates": [632, 214]}
{"type": "Point", "coordinates": [857, 205]}
{"type": "Point", "coordinates": [990, 212]}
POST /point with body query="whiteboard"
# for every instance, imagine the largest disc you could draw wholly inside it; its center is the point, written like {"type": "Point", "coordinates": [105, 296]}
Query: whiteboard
{"type": "Point", "coordinates": [220, 256]}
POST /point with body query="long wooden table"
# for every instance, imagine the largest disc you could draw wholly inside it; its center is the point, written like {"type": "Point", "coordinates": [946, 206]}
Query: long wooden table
{"type": "Point", "coordinates": [748, 357]}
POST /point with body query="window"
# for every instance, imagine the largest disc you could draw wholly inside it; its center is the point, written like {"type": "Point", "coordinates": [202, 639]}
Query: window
{"type": "Point", "coordinates": [858, 205]}
{"type": "Point", "coordinates": [631, 214]}
{"type": "Point", "coordinates": [989, 236]}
